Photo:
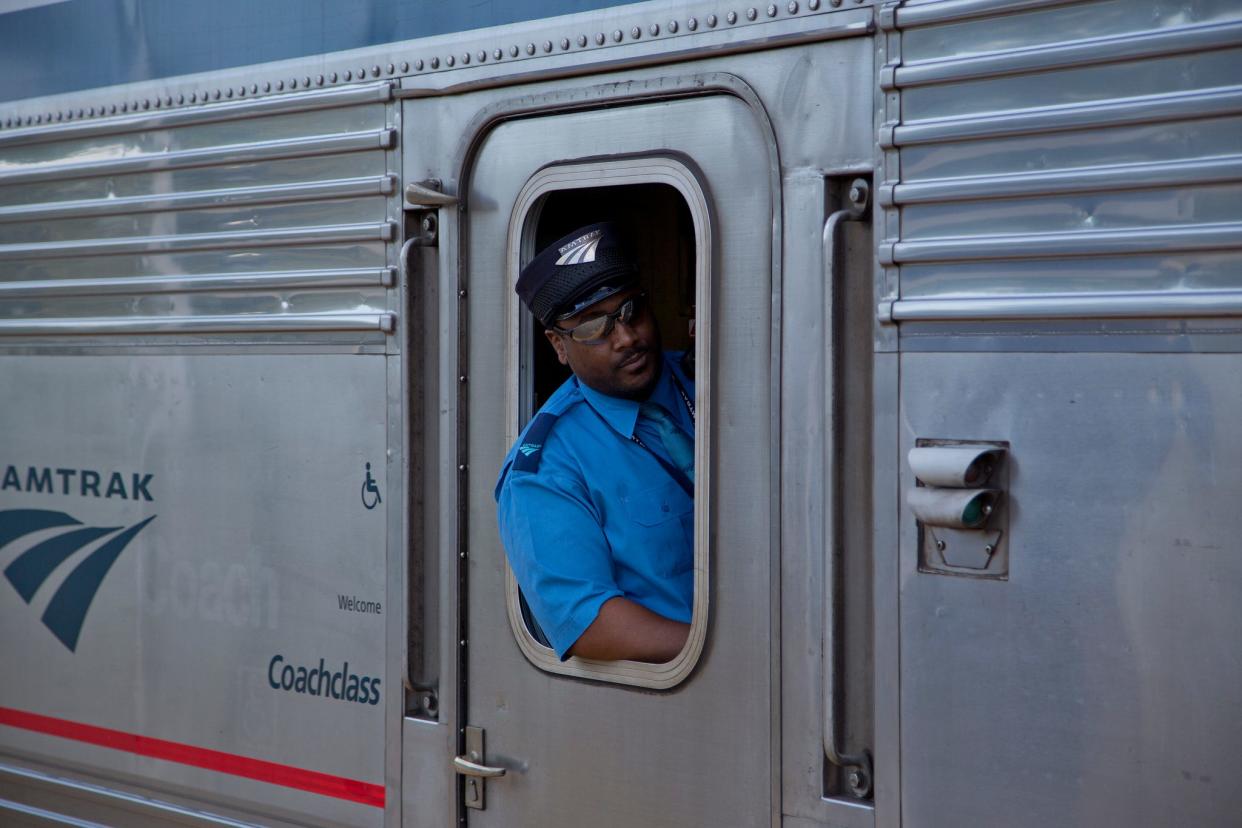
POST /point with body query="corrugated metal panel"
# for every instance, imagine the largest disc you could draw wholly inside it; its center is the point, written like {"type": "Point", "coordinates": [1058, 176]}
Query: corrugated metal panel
{"type": "Point", "coordinates": [272, 217]}
{"type": "Point", "coordinates": [1064, 159]}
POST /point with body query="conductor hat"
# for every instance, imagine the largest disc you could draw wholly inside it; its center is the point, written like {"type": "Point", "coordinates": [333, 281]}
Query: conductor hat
{"type": "Point", "coordinates": [576, 271]}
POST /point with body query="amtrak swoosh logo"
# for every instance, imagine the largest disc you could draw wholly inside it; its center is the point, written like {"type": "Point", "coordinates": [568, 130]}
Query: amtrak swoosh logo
{"type": "Point", "coordinates": [581, 250]}
{"type": "Point", "coordinates": [67, 609]}
{"type": "Point", "coordinates": [529, 448]}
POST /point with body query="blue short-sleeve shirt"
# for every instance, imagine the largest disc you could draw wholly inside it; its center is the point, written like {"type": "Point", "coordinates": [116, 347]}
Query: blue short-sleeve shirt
{"type": "Point", "coordinates": [586, 514]}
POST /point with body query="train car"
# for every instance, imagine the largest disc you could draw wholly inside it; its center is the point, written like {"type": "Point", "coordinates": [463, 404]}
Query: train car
{"type": "Point", "coordinates": [962, 283]}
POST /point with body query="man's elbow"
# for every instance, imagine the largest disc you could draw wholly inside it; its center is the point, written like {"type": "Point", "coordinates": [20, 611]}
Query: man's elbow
{"type": "Point", "coordinates": [626, 631]}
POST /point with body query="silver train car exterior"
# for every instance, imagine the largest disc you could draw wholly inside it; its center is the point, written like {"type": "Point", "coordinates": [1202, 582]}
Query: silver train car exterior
{"type": "Point", "coordinates": [966, 278]}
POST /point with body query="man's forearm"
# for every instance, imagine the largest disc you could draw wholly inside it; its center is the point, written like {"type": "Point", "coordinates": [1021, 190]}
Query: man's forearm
{"type": "Point", "coordinates": [626, 630]}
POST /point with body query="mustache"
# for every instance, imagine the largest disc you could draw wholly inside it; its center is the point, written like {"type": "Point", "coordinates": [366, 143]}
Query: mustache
{"type": "Point", "coordinates": [631, 354]}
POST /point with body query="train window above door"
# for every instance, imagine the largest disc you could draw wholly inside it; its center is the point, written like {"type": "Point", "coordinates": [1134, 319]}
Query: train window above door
{"type": "Point", "coordinates": [659, 205]}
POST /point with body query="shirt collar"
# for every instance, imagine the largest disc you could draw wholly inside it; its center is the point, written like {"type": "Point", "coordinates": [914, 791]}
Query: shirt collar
{"type": "Point", "coordinates": [622, 414]}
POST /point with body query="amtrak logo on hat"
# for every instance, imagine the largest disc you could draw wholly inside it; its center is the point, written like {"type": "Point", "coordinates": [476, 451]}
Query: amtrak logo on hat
{"type": "Point", "coordinates": [581, 250]}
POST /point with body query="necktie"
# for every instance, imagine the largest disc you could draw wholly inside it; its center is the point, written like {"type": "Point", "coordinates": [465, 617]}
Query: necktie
{"type": "Point", "coordinates": [678, 444]}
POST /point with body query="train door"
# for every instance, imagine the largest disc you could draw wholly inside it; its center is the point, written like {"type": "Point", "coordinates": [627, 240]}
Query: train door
{"type": "Point", "coordinates": [621, 743]}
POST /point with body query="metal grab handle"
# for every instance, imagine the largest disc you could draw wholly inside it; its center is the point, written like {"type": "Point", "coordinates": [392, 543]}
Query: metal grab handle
{"type": "Point", "coordinates": [465, 767]}
{"type": "Point", "coordinates": [427, 193]}
{"type": "Point", "coordinates": [859, 779]}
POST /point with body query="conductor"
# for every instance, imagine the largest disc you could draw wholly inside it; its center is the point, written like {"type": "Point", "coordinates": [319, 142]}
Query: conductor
{"type": "Point", "coordinates": [596, 497]}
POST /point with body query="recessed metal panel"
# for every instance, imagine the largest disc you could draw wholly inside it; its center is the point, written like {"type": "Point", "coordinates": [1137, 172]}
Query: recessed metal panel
{"type": "Point", "coordinates": [243, 620]}
{"type": "Point", "coordinates": [1095, 686]}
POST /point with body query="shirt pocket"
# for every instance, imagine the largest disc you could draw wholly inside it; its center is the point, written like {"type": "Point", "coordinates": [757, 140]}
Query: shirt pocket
{"type": "Point", "coordinates": [663, 520]}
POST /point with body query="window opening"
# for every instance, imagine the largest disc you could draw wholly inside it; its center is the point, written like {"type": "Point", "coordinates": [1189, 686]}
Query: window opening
{"type": "Point", "coordinates": [665, 218]}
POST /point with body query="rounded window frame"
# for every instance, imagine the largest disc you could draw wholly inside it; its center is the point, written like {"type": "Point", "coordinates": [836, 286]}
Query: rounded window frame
{"type": "Point", "coordinates": [618, 172]}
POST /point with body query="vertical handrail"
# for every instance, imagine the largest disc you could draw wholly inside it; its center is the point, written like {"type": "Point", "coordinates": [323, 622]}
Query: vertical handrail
{"type": "Point", "coordinates": [860, 778]}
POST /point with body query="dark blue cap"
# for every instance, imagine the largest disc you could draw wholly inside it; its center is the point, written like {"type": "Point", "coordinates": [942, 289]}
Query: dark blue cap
{"type": "Point", "coordinates": [584, 267]}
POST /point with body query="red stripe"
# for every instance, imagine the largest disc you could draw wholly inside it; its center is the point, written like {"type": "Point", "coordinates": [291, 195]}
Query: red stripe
{"type": "Point", "coordinates": [339, 787]}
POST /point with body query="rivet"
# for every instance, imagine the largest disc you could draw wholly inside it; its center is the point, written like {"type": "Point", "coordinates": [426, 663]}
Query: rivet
{"type": "Point", "coordinates": [82, 112]}
{"type": "Point", "coordinates": [228, 93]}
{"type": "Point", "coordinates": [771, 10]}
{"type": "Point", "coordinates": [582, 40]}
{"type": "Point", "coordinates": [482, 56]}
{"type": "Point", "coordinates": [450, 60]}
{"type": "Point", "coordinates": [547, 46]}
{"type": "Point", "coordinates": [158, 104]}
{"type": "Point", "coordinates": [241, 91]}
{"type": "Point", "coordinates": [530, 48]}
{"type": "Point", "coordinates": [751, 13]}
{"type": "Point", "coordinates": [38, 119]}
{"type": "Point", "coordinates": [216, 94]}
{"type": "Point", "coordinates": [462, 468]}
{"type": "Point", "coordinates": [361, 73]}
{"type": "Point", "coordinates": [636, 33]}
{"type": "Point", "coordinates": [617, 35]}
{"type": "Point", "coordinates": [391, 69]}
{"type": "Point", "coordinates": [711, 21]}
{"type": "Point", "coordinates": [306, 81]}
{"type": "Point", "coordinates": [405, 66]}
{"type": "Point", "coordinates": [654, 29]}
{"type": "Point", "coordinates": [293, 83]}
{"type": "Point", "coordinates": [599, 38]}
{"type": "Point", "coordinates": [692, 24]}
{"type": "Point", "coordinates": [418, 65]}
{"type": "Point", "coordinates": [180, 100]}
{"type": "Point", "coordinates": [375, 71]}
{"type": "Point", "coordinates": [834, 3]}
{"type": "Point", "coordinates": [989, 549]}
{"type": "Point", "coordinates": [435, 63]}
{"type": "Point", "coordinates": [564, 43]}
{"type": "Point", "coordinates": [280, 85]}
{"type": "Point", "coordinates": [60, 116]}
{"type": "Point", "coordinates": [672, 27]}
{"type": "Point", "coordinates": [112, 109]}
{"type": "Point", "coordinates": [332, 77]}
{"type": "Point", "coordinates": [267, 86]}
{"type": "Point", "coordinates": [319, 80]}
{"type": "Point", "coordinates": [498, 53]}
{"type": "Point", "coordinates": [940, 544]}
{"type": "Point", "coordinates": [124, 108]}
{"type": "Point", "coordinates": [254, 89]}
{"type": "Point", "coordinates": [349, 74]}
{"type": "Point", "coordinates": [792, 8]}
{"type": "Point", "coordinates": [461, 379]}
{"type": "Point", "coordinates": [813, 5]}
{"type": "Point", "coordinates": [465, 58]}
{"type": "Point", "coordinates": [461, 294]}
{"type": "Point", "coordinates": [513, 50]}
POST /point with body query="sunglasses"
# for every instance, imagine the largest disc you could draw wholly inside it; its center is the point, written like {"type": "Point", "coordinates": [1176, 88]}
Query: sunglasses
{"type": "Point", "coordinates": [597, 329]}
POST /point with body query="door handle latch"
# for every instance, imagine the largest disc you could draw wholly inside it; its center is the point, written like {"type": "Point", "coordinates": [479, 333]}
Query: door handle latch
{"type": "Point", "coordinates": [476, 773]}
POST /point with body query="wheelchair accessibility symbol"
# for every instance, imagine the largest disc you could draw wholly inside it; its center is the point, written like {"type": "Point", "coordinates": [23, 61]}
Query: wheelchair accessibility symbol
{"type": "Point", "coordinates": [370, 492]}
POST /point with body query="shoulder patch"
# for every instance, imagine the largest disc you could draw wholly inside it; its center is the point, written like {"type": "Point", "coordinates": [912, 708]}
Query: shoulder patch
{"type": "Point", "coordinates": [530, 450]}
